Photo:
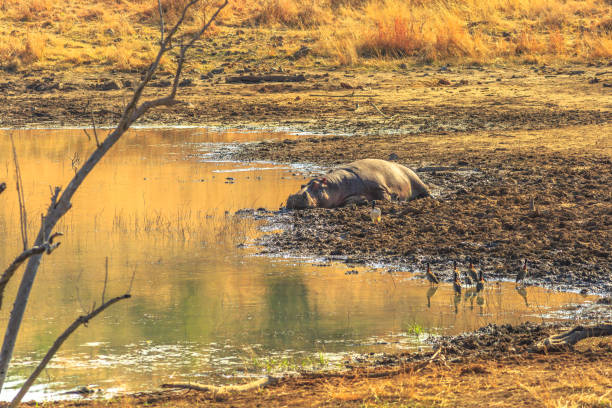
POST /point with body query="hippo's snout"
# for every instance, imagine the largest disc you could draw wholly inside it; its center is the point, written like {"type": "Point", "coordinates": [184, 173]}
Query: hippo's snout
{"type": "Point", "coordinates": [300, 201]}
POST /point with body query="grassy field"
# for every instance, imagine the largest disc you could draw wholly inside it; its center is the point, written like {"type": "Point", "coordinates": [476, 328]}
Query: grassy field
{"type": "Point", "coordinates": [121, 34]}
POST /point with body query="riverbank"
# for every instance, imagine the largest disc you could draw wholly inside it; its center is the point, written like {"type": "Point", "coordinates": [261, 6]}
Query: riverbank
{"type": "Point", "coordinates": [490, 140]}
{"type": "Point", "coordinates": [494, 366]}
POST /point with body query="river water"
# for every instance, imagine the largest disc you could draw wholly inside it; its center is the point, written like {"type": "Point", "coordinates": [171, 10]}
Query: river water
{"type": "Point", "coordinates": [158, 213]}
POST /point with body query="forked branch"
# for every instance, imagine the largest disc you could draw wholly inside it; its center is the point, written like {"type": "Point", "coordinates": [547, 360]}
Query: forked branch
{"type": "Point", "coordinates": [47, 246]}
{"type": "Point", "coordinates": [81, 320]}
{"type": "Point", "coordinates": [62, 203]}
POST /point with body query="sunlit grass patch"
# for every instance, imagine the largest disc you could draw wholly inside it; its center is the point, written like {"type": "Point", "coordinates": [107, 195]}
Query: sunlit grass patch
{"type": "Point", "coordinates": [345, 32]}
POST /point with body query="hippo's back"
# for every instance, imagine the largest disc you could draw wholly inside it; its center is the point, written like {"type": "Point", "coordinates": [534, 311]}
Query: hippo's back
{"type": "Point", "coordinates": [395, 178]}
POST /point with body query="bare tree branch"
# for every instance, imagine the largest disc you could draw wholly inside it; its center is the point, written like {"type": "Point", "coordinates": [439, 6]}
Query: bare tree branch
{"type": "Point", "coordinates": [60, 206]}
{"type": "Point", "coordinates": [81, 320]}
{"type": "Point", "coordinates": [106, 278]}
{"type": "Point", "coordinates": [161, 22]}
{"type": "Point", "coordinates": [47, 246]}
{"type": "Point", "coordinates": [23, 215]}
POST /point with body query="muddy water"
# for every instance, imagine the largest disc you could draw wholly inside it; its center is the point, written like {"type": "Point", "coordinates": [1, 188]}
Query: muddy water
{"type": "Point", "coordinates": [204, 308]}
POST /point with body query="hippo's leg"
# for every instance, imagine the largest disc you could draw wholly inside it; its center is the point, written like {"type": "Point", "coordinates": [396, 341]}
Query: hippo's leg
{"type": "Point", "coordinates": [382, 194]}
{"type": "Point", "coordinates": [356, 199]}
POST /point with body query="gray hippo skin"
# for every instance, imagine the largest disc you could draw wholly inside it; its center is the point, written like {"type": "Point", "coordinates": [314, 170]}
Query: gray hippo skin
{"type": "Point", "coordinates": [367, 179]}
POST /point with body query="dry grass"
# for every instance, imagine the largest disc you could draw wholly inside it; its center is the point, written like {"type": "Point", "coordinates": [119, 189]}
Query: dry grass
{"type": "Point", "coordinates": [474, 30]}
{"type": "Point", "coordinates": [544, 381]}
{"type": "Point", "coordinates": [62, 33]}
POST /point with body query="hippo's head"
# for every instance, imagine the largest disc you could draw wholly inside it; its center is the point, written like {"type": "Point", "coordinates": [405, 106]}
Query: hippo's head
{"type": "Point", "coordinates": [314, 194]}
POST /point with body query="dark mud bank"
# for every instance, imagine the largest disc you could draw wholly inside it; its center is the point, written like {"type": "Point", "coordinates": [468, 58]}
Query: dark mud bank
{"type": "Point", "coordinates": [490, 207]}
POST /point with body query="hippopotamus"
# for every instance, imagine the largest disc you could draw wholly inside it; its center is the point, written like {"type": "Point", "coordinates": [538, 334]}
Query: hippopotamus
{"type": "Point", "coordinates": [359, 181]}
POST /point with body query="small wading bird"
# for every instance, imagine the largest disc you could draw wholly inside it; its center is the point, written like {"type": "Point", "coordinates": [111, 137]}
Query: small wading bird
{"type": "Point", "coordinates": [431, 277]}
{"type": "Point", "coordinates": [375, 213]}
{"type": "Point", "coordinates": [468, 280]}
{"type": "Point", "coordinates": [522, 273]}
{"type": "Point", "coordinates": [481, 281]}
{"type": "Point", "coordinates": [457, 281]}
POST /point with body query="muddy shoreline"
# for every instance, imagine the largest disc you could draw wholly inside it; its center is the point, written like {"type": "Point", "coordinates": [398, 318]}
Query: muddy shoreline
{"type": "Point", "coordinates": [481, 210]}
{"type": "Point", "coordinates": [489, 140]}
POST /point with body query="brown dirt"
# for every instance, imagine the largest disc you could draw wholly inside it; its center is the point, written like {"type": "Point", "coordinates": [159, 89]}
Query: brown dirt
{"type": "Point", "coordinates": [481, 209]}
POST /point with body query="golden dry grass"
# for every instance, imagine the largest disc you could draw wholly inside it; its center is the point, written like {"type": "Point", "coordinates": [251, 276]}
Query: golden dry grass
{"type": "Point", "coordinates": [551, 381]}
{"type": "Point", "coordinates": [121, 33]}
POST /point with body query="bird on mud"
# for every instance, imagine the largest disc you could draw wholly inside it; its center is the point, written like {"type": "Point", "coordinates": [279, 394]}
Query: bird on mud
{"type": "Point", "coordinates": [481, 281]}
{"type": "Point", "coordinates": [375, 213]}
{"type": "Point", "coordinates": [456, 280]}
{"type": "Point", "coordinates": [431, 277]}
{"type": "Point", "coordinates": [522, 273]}
{"type": "Point", "coordinates": [473, 273]}
{"type": "Point", "coordinates": [468, 280]}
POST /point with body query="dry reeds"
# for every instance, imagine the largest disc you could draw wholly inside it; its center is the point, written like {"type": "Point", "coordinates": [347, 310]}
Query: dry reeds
{"type": "Point", "coordinates": [349, 32]}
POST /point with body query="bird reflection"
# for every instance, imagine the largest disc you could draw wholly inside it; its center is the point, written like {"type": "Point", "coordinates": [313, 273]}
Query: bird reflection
{"type": "Point", "coordinates": [481, 281]}
{"type": "Point", "coordinates": [523, 292]}
{"type": "Point", "coordinates": [456, 301]}
{"type": "Point", "coordinates": [456, 280]}
{"type": "Point", "coordinates": [430, 292]}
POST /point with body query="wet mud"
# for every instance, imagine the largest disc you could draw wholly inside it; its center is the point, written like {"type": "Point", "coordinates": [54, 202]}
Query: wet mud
{"type": "Point", "coordinates": [493, 206]}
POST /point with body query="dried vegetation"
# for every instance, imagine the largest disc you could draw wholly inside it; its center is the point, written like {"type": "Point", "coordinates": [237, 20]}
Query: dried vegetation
{"type": "Point", "coordinates": [119, 34]}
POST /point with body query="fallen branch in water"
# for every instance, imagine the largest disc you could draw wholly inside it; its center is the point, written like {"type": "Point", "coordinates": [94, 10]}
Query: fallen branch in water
{"type": "Point", "coordinates": [224, 389]}
{"type": "Point", "coordinates": [567, 339]}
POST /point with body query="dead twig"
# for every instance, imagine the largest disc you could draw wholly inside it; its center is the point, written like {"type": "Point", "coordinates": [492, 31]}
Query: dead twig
{"type": "Point", "coordinates": [343, 96]}
{"type": "Point", "coordinates": [61, 204]}
{"type": "Point", "coordinates": [81, 320]}
{"type": "Point", "coordinates": [23, 215]}
{"type": "Point", "coordinates": [567, 339]}
{"type": "Point", "coordinates": [261, 383]}
{"type": "Point", "coordinates": [371, 102]}
{"type": "Point", "coordinates": [48, 246]}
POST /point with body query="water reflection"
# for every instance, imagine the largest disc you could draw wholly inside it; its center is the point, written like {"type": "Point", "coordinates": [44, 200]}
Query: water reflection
{"type": "Point", "coordinates": [203, 306]}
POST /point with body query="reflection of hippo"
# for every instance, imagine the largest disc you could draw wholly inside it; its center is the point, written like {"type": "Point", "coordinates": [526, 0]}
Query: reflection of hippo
{"type": "Point", "coordinates": [367, 179]}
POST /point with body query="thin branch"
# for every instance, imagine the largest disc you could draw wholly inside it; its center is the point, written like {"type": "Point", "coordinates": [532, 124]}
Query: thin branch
{"type": "Point", "coordinates": [48, 247]}
{"type": "Point", "coordinates": [81, 320]}
{"type": "Point", "coordinates": [23, 215]}
{"type": "Point", "coordinates": [371, 102]}
{"type": "Point", "coordinates": [105, 278]}
{"type": "Point", "coordinates": [161, 22]}
{"type": "Point", "coordinates": [62, 204]}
